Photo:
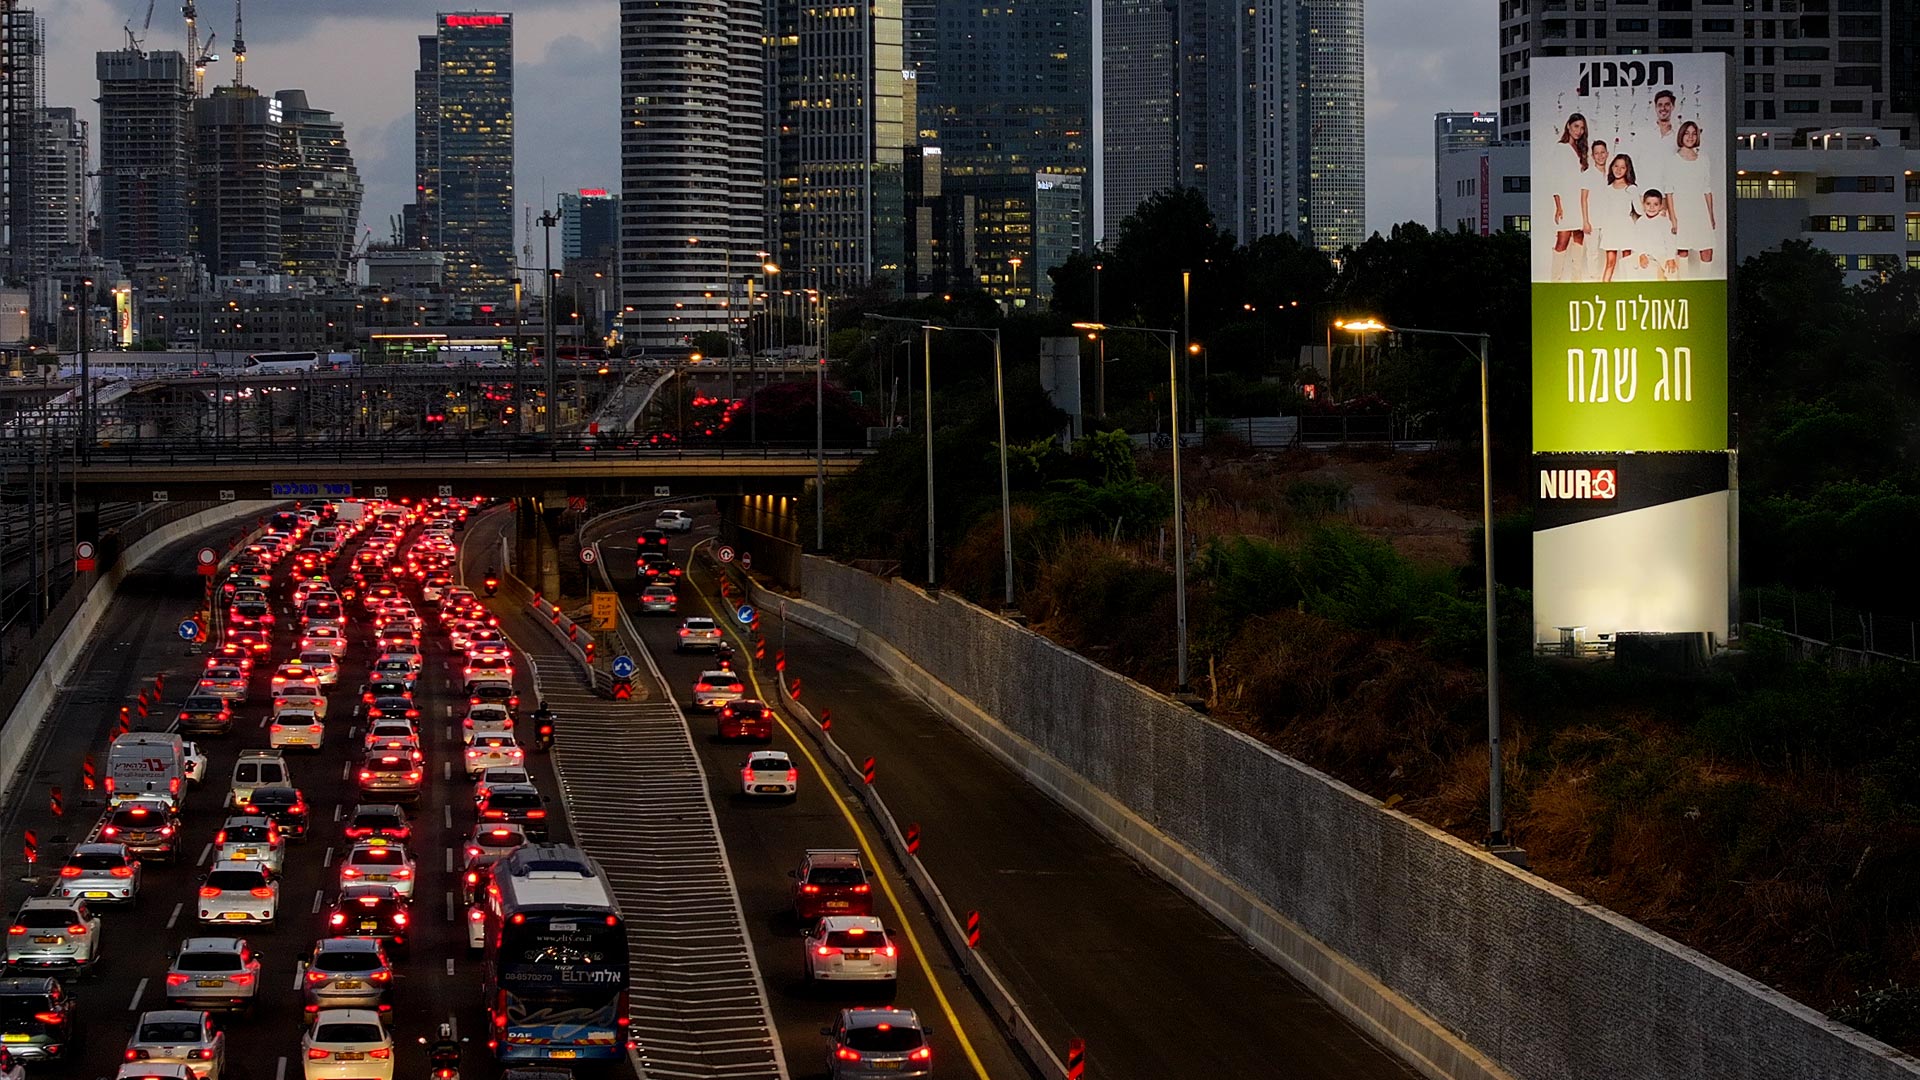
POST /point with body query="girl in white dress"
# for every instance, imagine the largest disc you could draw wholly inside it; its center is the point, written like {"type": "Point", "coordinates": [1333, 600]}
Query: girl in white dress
{"type": "Point", "coordinates": [1567, 190]}
{"type": "Point", "coordinates": [1593, 208]}
{"type": "Point", "coordinates": [1690, 195]}
{"type": "Point", "coordinates": [1616, 213]}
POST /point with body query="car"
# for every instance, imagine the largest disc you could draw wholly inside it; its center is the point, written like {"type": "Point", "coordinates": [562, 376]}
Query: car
{"type": "Point", "coordinates": [392, 735]}
{"type": "Point", "coordinates": [498, 775]}
{"type": "Point", "coordinates": [229, 653]}
{"type": "Point", "coordinates": [656, 566]}
{"type": "Point", "coordinates": [659, 600]}
{"type": "Point", "coordinates": [52, 934]}
{"type": "Point", "coordinates": [403, 666]}
{"type": "Point", "coordinates": [488, 844]}
{"type": "Point", "coordinates": [285, 806]}
{"type": "Point", "coordinates": [347, 1044]}
{"type": "Point", "coordinates": [250, 838]}
{"type": "Point", "coordinates": [303, 696]}
{"type": "Point", "coordinates": [214, 973]}
{"type": "Point", "coordinates": [228, 682]}
{"type": "Point", "coordinates": [745, 718]}
{"type": "Point", "coordinates": [385, 708]}
{"type": "Point", "coordinates": [485, 719]}
{"type": "Point", "coordinates": [253, 639]}
{"type": "Point", "coordinates": [204, 714]}
{"type": "Point", "coordinates": [36, 1016]}
{"type": "Point", "coordinates": [157, 1070]}
{"type": "Point", "coordinates": [385, 686]}
{"type": "Point", "coordinates": [244, 613]}
{"type": "Point", "coordinates": [488, 667]}
{"type": "Point", "coordinates": [698, 632]}
{"type": "Point", "coordinates": [515, 804]}
{"type": "Point", "coordinates": [674, 521]}
{"type": "Point", "coordinates": [769, 772]}
{"type": "Point", "coordinates": [492, 691]}
{"type": "Point", "coordinates": [874, 1043]}
{"type": "Point", "coordinates": [434, 585]}
{"type": "Point", "coordinates": [379, 863]}
{"type": "Point", "coordinates": [373, 911]}
{"type": "Point", "coordinates": [329, 639]}
{"type": "Point", "coordinates": [196, 763]}
{"type": "Point", "coordinates": [296, 728]}
{"type": "Point", "coordinates": [100, 873]}
{"type": "Point", "coordinates": [145, 827]}
{"type": "Point", "coordinates": [396, 775]}
{"type": "Point", "coordinates": [239, 891]}
{"type": "Point", "coordinates": [830, 881]}
{"type": "Point", "coordinates": [323, 665]}
{"type": "Point", "coordinates": [491, 750]}
{"type": "Point", "coordinates": [255, 771]}
{"type": "Point", "coordinates": [850, 948]}
{"type": "Point", "coordinates": [397, 637]}
{"type": "Point", "coordinates": [185, 1037]}
{"type": "Point", "coordinates": [347, 972]}
{"type": "Point", "coordinates": [716, 688]}
{"type": "Point", "coordinates": [293, 673]}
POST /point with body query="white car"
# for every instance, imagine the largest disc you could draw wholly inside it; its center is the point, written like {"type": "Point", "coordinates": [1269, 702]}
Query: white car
{"type": "Point", "coordinates": [769, 772]}
{"type": "Point", "coordinates": [300, 696]}
{"type": "Point", "coordinates": [485, 719]}
{"type": "Point", "coordinates": [489, 843]}
{"type": "Point", "coordinates": [674, 521]}
{"type": "Point", "coordinates": [236, 891]}
{"type": "Point", "coordinates": [851, 948]}
{"type": "Point", "coordinates": [347, 1044]}
{"type": "Point", "coordinates": [196, 764]}
{"type": "Point", "coordinates": [293, 727]}
{"type": "Point", "coordinates": [250, 838]}
{"type": "Point", "coordinates": [178, 1037]}
{"type": "Point", "coordinates": [717, 688]}
{"type": "Point", "coordinates": [50, 934]}
{"type": "Point", "coordinates": [491, 752]}
{"type": "Point", "coordinates": [228, 682]}
{"type": "Point", "coordinates": [379, 863]}
{"type": "Point", "coordinates": [153, 1070]}
{"type": "Point", "coordinates": [328, 639]}
{"type": "Point", "coordinates": [505, 774]}
{"type": "Point", "coordinates": [323, 665]}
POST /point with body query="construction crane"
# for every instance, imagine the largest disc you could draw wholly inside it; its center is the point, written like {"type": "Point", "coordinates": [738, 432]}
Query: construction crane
{"type": "Point", "coordinates": [192, 15]}
{"type": "Point", "coordinates": [207, 56]}
{"type": "Point", "coordinates": [239, 49]}
{"type": "Point", "coordinates": [133, 42]}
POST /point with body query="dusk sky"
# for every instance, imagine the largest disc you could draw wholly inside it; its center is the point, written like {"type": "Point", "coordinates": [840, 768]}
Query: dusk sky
{"type": "Point", "coordinates": [356, 58]}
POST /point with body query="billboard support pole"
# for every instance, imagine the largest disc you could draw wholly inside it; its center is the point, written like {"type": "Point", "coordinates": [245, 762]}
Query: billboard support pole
{"type": "Point", "coordinates": [1496, 810]}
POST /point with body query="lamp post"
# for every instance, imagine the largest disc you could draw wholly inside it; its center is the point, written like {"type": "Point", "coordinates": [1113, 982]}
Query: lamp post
{"type": "Point", "coordinates": [1496, 809]}
{"type": "Point", "coordinates": [1100, 361]}
{"type": "Point", "coordinates": [1000, 409]}
{"type": "Point", "coordinates": [1179, 509]}
{"type": "Point", "coordinates": [926, 358]}
{"type": "Point", "coordinates": [548, 219]}
{"type": "Point", "coordinates": [753, 404]}
{"type": "Point", "coordinates": [86, 368]}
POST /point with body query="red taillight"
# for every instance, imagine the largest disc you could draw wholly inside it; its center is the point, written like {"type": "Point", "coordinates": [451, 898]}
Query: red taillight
{"type": "Point", "coordinates": [69, 871]}
{"type": "Point", "coordinates": [16, 929]}
{"type": "Point", "coordinates": [826, 950]}
{"type": "Point", "coordinates": [365, 774]}
{"type": "Point", "coordinates": [701, 687]}
{"type": "Point", "coordinates": [337, 918]}
{"type": "Point", "coordinates": [200, 1053]}
{"type": "Point", "coordinates": [381, 1054]}
{"type": "Point", "coordinates": [314, 1053]}
{"type": "Point", "coordinates": [846, 1053]}
{"type": "Point", "coordinates": [476, 915]}
{"type": "Point", "coordinates": [50, 1017]}
{"type": "Point", "coordinates": [925, 1053]}
{"type": "Point", "coordinates": [793, 776]}
{"type": "Point", "coordinates": [862, 888]}
{"type": "Point", "coordinates": [399, 918]}
{"type": "Point", "coordinates": [890, 951]}
{"type": "Point", "coordinates": [111, 830]}
{"type": "Point", "coordinates": [77, 929]}
{"type": "Point", "coordinates": [208, 892]}
{"type": "Point", "coordinates": [382, 976]}
{"type": "Point", "coordinates": [175, 978]}
{"type": "Point", "coordinates": [494, 814]}
{"type": "Point", "coordinates": [135, 1055]}
{"type": "Point", "coordinates": [121, 871]}
{"type": "Point", "coordinates": [809, 889]}
{"type": "Point", "coordinates": [403, 873]}
{"type": "Point", "coordinates": [261, 893]}
{"type": "Point", "coordinates": [314, 978]}
{"type": "Point", "coordinates": [351, 871]}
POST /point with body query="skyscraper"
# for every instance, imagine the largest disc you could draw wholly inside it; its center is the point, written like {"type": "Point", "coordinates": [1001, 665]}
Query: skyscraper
{"type": "Point", "coordinates": [1011, 97]}
{"type": "Point", "coordinates": [1135, 108]}
{"type": "Point", "coordinates": [57, 224]}
{"type": "Point", "coordinates": [589, 224]}
{"type": "Point", "coordinates": [463, 150]}
{"type": "Point", "coordinates": [838, 137]}
{"type": "Point", "coordinates": [320, 192]}
{"type": "Point", "coordinates": [1336, 123]}
{"type": "Point", "coordinates": [1241, 118]}
{"type": "Point", "coordinates": [237, 197]}
{"type": "Point", "coordinates": [1457, 131]}
{"type": "Point", "coordinates": [23, 80]}
{"type": "Point", "coordinates": [693, 162]}
{"type": "Point", "coordinates": [146, 154]}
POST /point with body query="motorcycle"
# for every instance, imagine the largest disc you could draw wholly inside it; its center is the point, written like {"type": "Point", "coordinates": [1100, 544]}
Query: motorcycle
{"type": "Point", "coordinates": [543, 719]}
{"type": "Point", "coordinates": [443, 1057]}
{"type": "Point", "coordinates": [492, 583]}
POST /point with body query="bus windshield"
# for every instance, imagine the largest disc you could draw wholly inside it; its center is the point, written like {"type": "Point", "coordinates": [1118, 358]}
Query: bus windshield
{"type": "Point", "coordinates": [549, 951]}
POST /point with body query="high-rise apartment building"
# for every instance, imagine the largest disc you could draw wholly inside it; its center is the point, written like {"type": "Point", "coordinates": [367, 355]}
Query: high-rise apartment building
{"type": "Point", "coordinates": [1134, 111]}
{"type": "Point", "coordinates": [320, 192]}
{"type": "Point", "coordinates": [237, 196]}
{"type": "Point", "coordinates": [146, 154]}
{"type": "Point", "coordinates": [1798, 66]}
{"type": "Point", "coordinates": [57, 227]}
{"type": "Point", "coordinates": [693, 164]}
{"type": "Point", "coordinates": [1454, 131]}
{"type": "Point", "coordinates": [1336, 122]}
{"type": "Point", "coordinates": [1010, 98]}
{"type": "Point", "coordinates": [23, 80]}
{"type": "Point", "coordinates": [589, 224]}
{"type": "Point", "coordinates": [838, 138]}
{"type": "Point", "coordinates": [463, 150]}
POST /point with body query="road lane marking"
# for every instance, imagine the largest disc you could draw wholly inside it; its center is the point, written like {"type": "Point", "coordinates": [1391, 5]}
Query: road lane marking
{"type": "Point", "coordinates": [446, 770]}
{"type": "Point", "coordinates": [280, 1070]}
{"type": "Point", "coordinates": [450, 910]}
{"type": "Point", "coordinates": [317, 894]}
{"type": "Point", "coordinates": [447, 812]}
{"type": "Point", "coordinates": [204, 852]}
{"type": "Point", "coordinates": [449, 860]}
{"type": "Point", "coordinates": [327, 859]}
{"type": "Point", "coordinates": [300, 969]}
{"type": "Point", "coordinates": [448, 733]}
{"type": "Point", "coordinates": [175, 917]}
{"type": "Point", "coordinates": [338, 809]}
{"type": "Point", "coordinates": [346, 769]}
{"type": "Point", "coordinates": [449, 964]}
{"type": "Point", "coordinates": [139, 991]}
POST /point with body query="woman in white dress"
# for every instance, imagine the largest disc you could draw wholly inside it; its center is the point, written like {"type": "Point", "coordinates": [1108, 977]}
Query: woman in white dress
{"type": "Point", "coordinates": [1616, 214]}
{"type": "Point", "coordinates": [1567, 192]}
{"type": "Point", "coordinates": [1690, 195]}
{"type": "Point", "coordinates": [1593, 211]}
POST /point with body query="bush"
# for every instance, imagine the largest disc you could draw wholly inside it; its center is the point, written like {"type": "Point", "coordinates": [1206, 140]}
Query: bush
{"type": "Point", "coordinates": [1317, 496]}
{"type": "Point", "coordinates": [1890, 1013]}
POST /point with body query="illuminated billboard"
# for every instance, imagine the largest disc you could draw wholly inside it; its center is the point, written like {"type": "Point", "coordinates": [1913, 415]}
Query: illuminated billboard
{"type": "Point", "coordinates": [1630, 247]}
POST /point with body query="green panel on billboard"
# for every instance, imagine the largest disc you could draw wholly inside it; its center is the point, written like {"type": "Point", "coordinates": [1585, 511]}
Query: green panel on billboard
{"type": "Point", "coordinates": [1629, 366]}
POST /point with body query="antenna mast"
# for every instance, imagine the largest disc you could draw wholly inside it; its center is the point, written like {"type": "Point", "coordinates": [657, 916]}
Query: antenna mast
{"type": "Point", "coordinates": [239, 49]}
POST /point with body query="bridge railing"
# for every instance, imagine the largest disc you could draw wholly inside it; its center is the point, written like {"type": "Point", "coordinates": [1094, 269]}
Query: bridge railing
{"type": "Point", "coordinates": [427, 448]}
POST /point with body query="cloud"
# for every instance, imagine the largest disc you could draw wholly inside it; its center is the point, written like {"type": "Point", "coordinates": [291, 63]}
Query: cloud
{"type": "Point", "coordinates": [1423, 56]}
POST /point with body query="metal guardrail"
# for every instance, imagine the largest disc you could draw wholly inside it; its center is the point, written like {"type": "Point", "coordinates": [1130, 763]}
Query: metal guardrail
{"type": "Point", "coordinates": [575, 447]}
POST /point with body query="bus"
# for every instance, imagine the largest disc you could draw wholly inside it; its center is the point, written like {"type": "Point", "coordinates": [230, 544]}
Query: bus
{"type": "Point", "coordinates": [275, 363]}
{"type": "Point", "coordinates": [554, 951]}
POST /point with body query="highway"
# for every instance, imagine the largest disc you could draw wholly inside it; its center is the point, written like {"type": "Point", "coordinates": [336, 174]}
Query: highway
{"type": "Point", "coordinates": [764, 840]}
{"type": "Point", "coordinates": [436, 983]}
{"type": "Point", "coordinates": [1094, 946]}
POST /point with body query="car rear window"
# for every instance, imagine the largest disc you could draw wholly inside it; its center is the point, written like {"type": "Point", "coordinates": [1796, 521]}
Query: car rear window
{"type": "Point", "coordinates": [316, 658]}
{"type": "Point", "coordinates": [47, 918]}
{"type": "Point", "coordinates": [836, 875]}
{"type": "Point", "coordinates": [395, 765]}
{"type": "Point", "coordinates": [208, 961]}
{"type": "Point", "coordinates": [699, 624]}
{"type": "Point", "coordinates": [23, 1006]}
{"type": "Point", "coordinates": [659, 590]}
{"type": "Point", "coordinates": [348, 1033]}
{"type": "Point", "coordinates": [203, 704]}
{"type": "Point", "coordinates": [238, 833]}
{"type": "Point", "coordinates": [138, 817]}
{"type": "Point", "coordinates": [892, 1039]}
{"type": "Point", "coordinates": [168, 1031]}
{"type": "Point", "coordinates": [509, 838]}
{"type": "Point", "coordinates": [347, 960]}
{"type": "Point", "coordinates": [235, 880]}
{"type": "Point", "coordinates": [849, 939]}
{"type": "Point", "coordinates": [747, 708]}
{"type": "Point", "coordinates": [90, 860]}
{"type": "Point", "coordinates": [512, 800]}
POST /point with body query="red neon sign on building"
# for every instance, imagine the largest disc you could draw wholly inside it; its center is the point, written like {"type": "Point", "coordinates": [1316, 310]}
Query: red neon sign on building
{"type": "Point", "coordinates": [476, 20]}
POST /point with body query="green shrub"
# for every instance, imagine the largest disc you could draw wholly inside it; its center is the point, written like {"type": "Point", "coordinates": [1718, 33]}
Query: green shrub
{"type": "Point", "coordinates": [1319, 496]}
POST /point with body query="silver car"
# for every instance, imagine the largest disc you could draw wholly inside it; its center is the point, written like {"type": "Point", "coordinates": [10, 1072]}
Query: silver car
{"type": "Point", "coordinates": [250, 838]}
{"type": "Point", "coordinates": [226, 681]}
{"type": "Point", "coordinates": [50, 933]}
{"type": "Point", "coordinates": [214, 973]}
{"type": "Point", "coordinates": [181, 1037]}
{"type": "Point", "coordinates": [877, 1043]}
{"type": "Point", "coordinates": [239, 891]}
{"type": "Point", "coordinates": [716, 688]}
{"type": "Point", "coordinates": [347, 972]}
{"type": "Point", "coordinates": [659, 600]}
{"type": "Point", "coordinates": [100, 874]}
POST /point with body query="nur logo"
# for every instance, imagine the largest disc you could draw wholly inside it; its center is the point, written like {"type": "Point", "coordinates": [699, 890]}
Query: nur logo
{"type": "Point", "coordinates": [1577, 483]}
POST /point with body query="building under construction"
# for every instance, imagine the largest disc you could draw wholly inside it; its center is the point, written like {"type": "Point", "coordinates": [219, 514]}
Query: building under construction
{"type": "Point", "coordinates": [237, 197]}
{"type": "Point", "coordinates": [146, 154]}
{"type": "Point", "coordinates": [320, 190]}
{"type": "Point", "coordinates": [23, 80]}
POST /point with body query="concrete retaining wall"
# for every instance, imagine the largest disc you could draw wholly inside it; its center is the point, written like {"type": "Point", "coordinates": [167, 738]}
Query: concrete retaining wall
{"type": "Point", "coordinates": [1460, 963]}
{"type": "Point", "coordinates": [23, 725]}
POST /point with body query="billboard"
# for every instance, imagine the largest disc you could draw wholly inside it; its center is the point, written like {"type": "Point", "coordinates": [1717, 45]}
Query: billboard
{"type": "Point", "coordinates": [1630, 247]}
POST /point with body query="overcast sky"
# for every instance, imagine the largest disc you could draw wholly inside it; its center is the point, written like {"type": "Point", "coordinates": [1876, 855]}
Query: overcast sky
{"type": "Point", "coordinates": [356, 57]}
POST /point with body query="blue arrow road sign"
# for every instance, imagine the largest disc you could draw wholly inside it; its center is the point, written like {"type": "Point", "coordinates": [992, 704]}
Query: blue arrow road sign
{"type": "Point", "coordinates": [623, 667]}
{"type": "Point", "coordinates": [189, 630]}
{"type": "Point", "coordinates": [744, 614]}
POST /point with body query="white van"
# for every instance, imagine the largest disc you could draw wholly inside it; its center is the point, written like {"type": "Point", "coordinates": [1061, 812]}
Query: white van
{"type": "Point", "coordinates": [257, 769]}
{"type": "Point", "coordinates": [146, 765]}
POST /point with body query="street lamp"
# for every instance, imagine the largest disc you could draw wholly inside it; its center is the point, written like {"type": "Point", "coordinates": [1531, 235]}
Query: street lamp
{"type": "Point", "coordinates": [926, 358]}
{"type": "Point", "coordinates": [1359, 328]}
{"type": "Point", "coordinates": [1179, 511]}
{"type": "Point", "coordinates": [1000, 408]}
{"type": "Point", "coordinates": [1496, 810]}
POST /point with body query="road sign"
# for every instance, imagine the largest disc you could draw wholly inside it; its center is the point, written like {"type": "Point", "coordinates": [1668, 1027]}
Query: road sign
{"type": "Point", "coordinates": [744, 613]}
{"type": "Point", "coordinates": [311, 489]}
{"type": "Point", "coordinates": [83, 556]}
{"type": "Point", "coordinates": [606, 610]}
{"type": "Point", "coordinates": [189, 630]}
{"type": "Point", "coordinates": [725, 554]}
{"type": "Point", "coordinates": [577, 503]}
{"type": "Point", "coordinates": [446, 491]}
{"type": "Point", "coordinates": [586, 554]}
{"type": "Point", "coordinates": [208, 561]}
{"type": "Point", "coordinates": [746, 560]}
{"type": "Point", "coordinates": [379, 491]}
{"type": "Point", "coordinates": [623, 667]}
{"type": "Point", "coordinates": [159, 496]}
{"type": "Point", "coordinates": [622, 690]}
{"type": "Point", "coordinates": [662, 491]}
{"type": "Point", "coordinates": [226, 494]}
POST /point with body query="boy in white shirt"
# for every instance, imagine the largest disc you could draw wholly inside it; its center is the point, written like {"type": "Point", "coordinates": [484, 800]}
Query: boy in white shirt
{"type": "Point", "coordinates": [1655, 254]}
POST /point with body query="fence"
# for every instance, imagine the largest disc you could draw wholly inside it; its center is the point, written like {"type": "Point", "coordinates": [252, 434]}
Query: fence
{"type": "Point", "coordinates": [1822, 628]}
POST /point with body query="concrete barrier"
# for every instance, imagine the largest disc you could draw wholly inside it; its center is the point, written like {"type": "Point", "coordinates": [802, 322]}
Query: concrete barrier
{"type": "Point", "coordinates": [1461, 964]}
{"type": "Point", "coordinates": [23, 725]}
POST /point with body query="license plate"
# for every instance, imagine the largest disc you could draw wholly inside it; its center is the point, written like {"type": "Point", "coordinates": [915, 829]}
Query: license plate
{"type": "Point", "coordinates": [349, 1055]}
{"type": "Point", "coordinates": [376, 877]}
{"type": "Point", "coordinates": [836, 903]}
{"type": "Point", "coordinates": [884, 1065]}
{"type": "Point", "coordinates": [246, 853]}
{"type": "Point", "coordinates": [563, 1053]}
{"type": "Point", "coordinates": [369, 924]}
{"type": "Point", "coordinates": [213, 983]}
{"type": "Point", "coordinates": [95, 894]}
{"type": "Point", "coordinates": [234, 916]}
{"type": "Point", "coordinates": [48, 939]}
{"type": "Point", "coordinates": [770, 788]}
{"type": "Point", "coordinates": [349, 984]}
{"type": "Point", "coordinates": [14, 1038]}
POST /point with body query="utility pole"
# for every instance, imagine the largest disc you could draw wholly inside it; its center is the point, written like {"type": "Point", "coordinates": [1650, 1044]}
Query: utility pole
{"type": "Point", "coordinates": [86, 368]}
{"type": "Point", "coordinates": [548, 219]}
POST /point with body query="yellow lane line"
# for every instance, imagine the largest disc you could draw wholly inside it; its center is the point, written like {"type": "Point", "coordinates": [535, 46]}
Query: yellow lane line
{"type": "Point", "coordinates": [860, 833]}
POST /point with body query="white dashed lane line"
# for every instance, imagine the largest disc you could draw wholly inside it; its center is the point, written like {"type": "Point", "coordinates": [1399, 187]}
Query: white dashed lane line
{"type": "Point", "coordinates": [139, 991]}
